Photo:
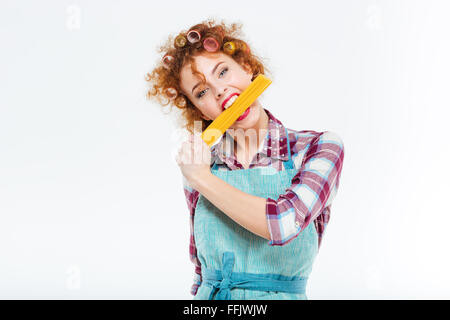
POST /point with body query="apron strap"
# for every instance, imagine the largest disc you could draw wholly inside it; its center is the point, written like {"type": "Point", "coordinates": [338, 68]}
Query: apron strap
{"type": "Point", "coordinates": [288, 164]}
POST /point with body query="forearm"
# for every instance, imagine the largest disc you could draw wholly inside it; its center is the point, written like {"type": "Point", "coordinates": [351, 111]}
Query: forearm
{"type": "Point", "coordinates": [247, 210]}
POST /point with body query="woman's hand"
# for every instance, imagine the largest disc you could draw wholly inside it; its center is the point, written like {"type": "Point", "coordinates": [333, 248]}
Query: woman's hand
{"type": "Point", "coordinates": [194, 158]}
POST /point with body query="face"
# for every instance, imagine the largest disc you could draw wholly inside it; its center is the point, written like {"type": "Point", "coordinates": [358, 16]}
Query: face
{"type": "Point", "coordinates": [224, 78]}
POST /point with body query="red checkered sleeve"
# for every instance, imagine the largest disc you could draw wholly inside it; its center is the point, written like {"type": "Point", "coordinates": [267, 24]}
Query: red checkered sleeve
{"type": "Point", "coordinates": [191, 200]}
{"type": "Point", "coordinates": [311, 192]}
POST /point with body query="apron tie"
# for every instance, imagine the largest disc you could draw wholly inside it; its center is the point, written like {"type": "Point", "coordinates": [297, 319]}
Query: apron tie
{"type": "Point", "coordinates": [225, 285]}
{"type": "Point", "coordinates": [222, 281]}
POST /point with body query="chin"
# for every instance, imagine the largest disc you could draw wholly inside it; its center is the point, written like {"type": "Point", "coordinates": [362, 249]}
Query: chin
{"type": "Point", "coordinates": [251, 120]}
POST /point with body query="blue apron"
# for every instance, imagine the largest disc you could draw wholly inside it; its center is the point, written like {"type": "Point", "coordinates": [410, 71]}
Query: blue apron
{"type": "Point", "coordinates": [239, 265]}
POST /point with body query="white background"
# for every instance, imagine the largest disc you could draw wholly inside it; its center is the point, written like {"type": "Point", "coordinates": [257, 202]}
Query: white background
{"type": "Point", "coordinates": [91, 201]}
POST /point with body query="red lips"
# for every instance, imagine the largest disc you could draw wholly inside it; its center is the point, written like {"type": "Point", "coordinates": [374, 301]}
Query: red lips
{"type": "Point", "coordinates": [226, 100]}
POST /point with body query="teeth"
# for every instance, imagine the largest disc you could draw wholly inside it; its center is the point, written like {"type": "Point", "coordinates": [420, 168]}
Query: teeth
{"type": "Point", "coordinates": [230, 102]}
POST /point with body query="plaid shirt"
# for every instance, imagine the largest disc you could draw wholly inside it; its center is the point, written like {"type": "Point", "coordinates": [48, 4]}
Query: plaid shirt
{"type": "Point", "coordinates": [318, 156]}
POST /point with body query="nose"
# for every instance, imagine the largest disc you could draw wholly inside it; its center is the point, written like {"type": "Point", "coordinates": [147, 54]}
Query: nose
{"type": "Point", "coordinates": [221, 92]}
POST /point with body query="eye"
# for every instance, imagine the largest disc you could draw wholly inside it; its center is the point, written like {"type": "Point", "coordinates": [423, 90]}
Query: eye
{"type": "Point", "coordinates": [199, 95]}
{"type": "Point", "coordinates": [224, 70]}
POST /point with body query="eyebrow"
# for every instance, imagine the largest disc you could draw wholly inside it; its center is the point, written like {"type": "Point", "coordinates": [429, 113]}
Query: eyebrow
{"type": "Point", "coordinates": [212, 72]}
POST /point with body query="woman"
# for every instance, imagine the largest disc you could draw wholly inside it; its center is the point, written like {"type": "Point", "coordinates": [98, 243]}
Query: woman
{"type": "Point", "coordinates": [260, 199]}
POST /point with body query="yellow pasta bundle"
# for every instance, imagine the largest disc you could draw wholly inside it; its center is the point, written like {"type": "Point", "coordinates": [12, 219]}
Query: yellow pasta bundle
{"type": "Point", "coordinates": [226, 119]}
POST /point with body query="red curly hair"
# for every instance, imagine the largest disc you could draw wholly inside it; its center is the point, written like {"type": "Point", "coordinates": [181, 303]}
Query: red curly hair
{"type": "Point", "coordinates": [165, 81]}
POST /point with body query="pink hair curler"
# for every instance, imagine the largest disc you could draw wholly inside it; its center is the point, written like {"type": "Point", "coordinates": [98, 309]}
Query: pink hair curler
{"type": "Point", "coordinates": [193, 36]}
{"type": "Point", "coordinates": [211, 44]}
{"type": "Point", "coordinates": [167, 60]}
